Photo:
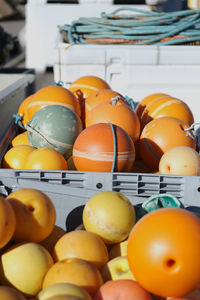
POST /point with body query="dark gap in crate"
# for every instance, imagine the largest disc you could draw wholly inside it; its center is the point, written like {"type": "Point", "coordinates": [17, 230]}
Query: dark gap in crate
{"type": "Point", "coordinates": [74, 218]}
{"type": "Point", "coordinates": [193, 209]}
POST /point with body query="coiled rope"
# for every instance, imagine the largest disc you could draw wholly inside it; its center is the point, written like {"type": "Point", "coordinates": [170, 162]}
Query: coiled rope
{"type": "Point", "coordinates": [141, 27]}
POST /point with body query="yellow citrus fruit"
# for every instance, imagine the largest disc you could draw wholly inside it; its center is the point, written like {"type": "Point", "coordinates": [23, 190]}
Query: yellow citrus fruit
{"type": "Point", "coordinates": [78, 243]}
{"type": "Point", "coordinates": [52, 238]}
{"type": "Point", "coordinates": [35, 214]}
{"type": "Point", "coordinates": [112, 225]}
{"type": "Point", "coordinates": [20, 262]}
{"type": "Point", "coordinates": [7, 222]}
{"type": "Point", "coordinates": [76, 271]}
{"type": "Point", "coordinates": [63, 288]}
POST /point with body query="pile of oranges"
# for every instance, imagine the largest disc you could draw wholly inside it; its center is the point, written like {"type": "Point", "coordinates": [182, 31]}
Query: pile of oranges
{"type": "Point", "coordinates": [109, 134]}
{"type": "Point", "coordinates": [112, 255]}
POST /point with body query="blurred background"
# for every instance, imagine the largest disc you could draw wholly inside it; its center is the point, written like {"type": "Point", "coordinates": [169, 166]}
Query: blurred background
{"type": "Point", "coordinates": [19, 47]}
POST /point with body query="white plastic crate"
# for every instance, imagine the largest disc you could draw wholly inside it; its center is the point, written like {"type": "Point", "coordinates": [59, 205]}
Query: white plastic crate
{"type": "Point", "coordinates": [42, 20]}
{"type": "Point", "coordinates": [14, 88]}
{"type": "Point", "coordinates": [136, 71]}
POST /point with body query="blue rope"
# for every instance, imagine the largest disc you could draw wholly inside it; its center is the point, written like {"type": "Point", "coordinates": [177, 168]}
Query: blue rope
{"type": "Point", "coordinates": [193, 132]}
{"type": "Point", "coordinates": [141, 27]}
{"type": "Point", "coordinates": [130, 102]}
{"type": "Point", "coordinates": [59, 83]}
{"type": "Point", "coordinates": [126, 100]}
{"type": "Point", "coordinates": [114, 147]}
{"type": "Point", "coordinates": [18, 119]}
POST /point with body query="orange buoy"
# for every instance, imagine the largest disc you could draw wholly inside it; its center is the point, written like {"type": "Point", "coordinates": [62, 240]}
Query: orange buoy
{"type": "Point", "coordinates": [167, 106]}
{"type": "Point", "coordinates": [86, 85]}
{"type": "Point", "coordinates": [46, 159]}
{"type": "Point", "coordinates": [118, 113]}
{"type": "Point", "coordinates": [169, 264]}
{"type": "Point", "coordinates": [148, 99]}
{"type": "Point", "coordinates": [180, 160]}
{"type": "Point", "coordinates": [51, 95]}
{"type": "Point", "coordinates": [161, 134]}
{"type": "Point", "coordinates": [22, 109]}
{"type": "Point", "coordinates": [16, 156]}
{"type": "Point", "coordinates": [98, 97]}
{"type": "Point", "coordinates": [103, 148]}
{"type": "Point", "coordinates": [20, 139]}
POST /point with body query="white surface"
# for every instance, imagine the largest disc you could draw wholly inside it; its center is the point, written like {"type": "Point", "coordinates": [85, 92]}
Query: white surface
{"type": "Point", "coordinates": [194, 4]}
{"type": "Point", "coordinates": [8, 79]}
{"type": "Point", "coordinates": [136, 71]}
{"type": "Point", "coordinates": [11, 84]}
{"type": "Point", "coordinates": [14, 88]}
{"type": "Point", "coordinates": [42, 22]}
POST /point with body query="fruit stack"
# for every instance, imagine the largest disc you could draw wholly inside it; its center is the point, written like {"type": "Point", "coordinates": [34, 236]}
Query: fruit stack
{"type": "Point", "coordinates": [90, 127]}
{"type": "Point", "coordinates": [111, 255]}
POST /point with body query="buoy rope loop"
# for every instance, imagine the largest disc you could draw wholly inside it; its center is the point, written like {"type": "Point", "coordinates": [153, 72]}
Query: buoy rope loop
{"type": "Point", "coordinates": [114, 146]}
{"type": "Point", "coordinates": [195, 135]}
{"type": "Point", "coordinates": [17, 118]}
{"type": "Point", "coordinates": [115, 99]}
{"type": "Point", "coordinates": [59, 83]}
{"type": "Point", "coordinates": [125, 99]}
{"type": "Point", "coordinates": [131, 102]}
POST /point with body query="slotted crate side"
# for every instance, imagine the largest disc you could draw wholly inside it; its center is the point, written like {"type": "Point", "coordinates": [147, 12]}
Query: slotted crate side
{"type": "Point", "coordinates": [70, 190]}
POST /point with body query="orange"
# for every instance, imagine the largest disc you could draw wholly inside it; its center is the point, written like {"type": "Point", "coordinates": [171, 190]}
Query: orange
{"type": "Point", "coordinates": [159, 135]}
{"type": "Point", "coordinates": [84, 86]}
{"type": "Point", "coordinates": [94, 149]}
{"type": "Point", "coordinates": [20, 139]}
{"type": "Point", "coordinates": [112, 225]}
{"type": "Point", "coordinates": [20, 261]}
{"type": "Point", "coordinates": [51, 95]}
{"type": "Point", "coordinates": [64, 297]}
{"type": "Point", "coordinates": [78, 243]}
{"type": "Point", "coordinates": [148, 99]}
{"type": "Point", "coordinates": [10, 293]}
{"type": "Point", "coordinates": [7, 222]}
{"type": "Point", "coordinates": [98, 97]}
{"type": "Point", "coordinates": [35, 215]}
{"type": "Point", "coordinates": [118, 113]}
{"type": "Point", "coordinates": [122, 289]}
{"type": "Point", "coordinates": [46, 159]}
{"type": "Point", "coordinates": [15, 157]}
{"type": "Point", "coordinates": [169, 263]}
{"type": "Point", "coordinates": [76, 271]}
{"type": "Point", "coordinates": [52, 238]}
{"type": "Point", "coordinates": [167, 106]}
{"type": "Point", "coordinates": [63, 288]}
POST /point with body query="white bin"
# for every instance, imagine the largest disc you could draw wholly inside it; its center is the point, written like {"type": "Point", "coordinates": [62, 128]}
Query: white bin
{"type": "Point", "coordinates": [14, 88]}
{"type": "Point", "coordinates": [42, 20]}
{"type": "Point", "coordinates": [136, 71]}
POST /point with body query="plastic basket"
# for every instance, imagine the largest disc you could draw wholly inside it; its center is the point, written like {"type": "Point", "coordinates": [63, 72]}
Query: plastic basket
{"type": "Point", "coordinates": [70, 190]}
